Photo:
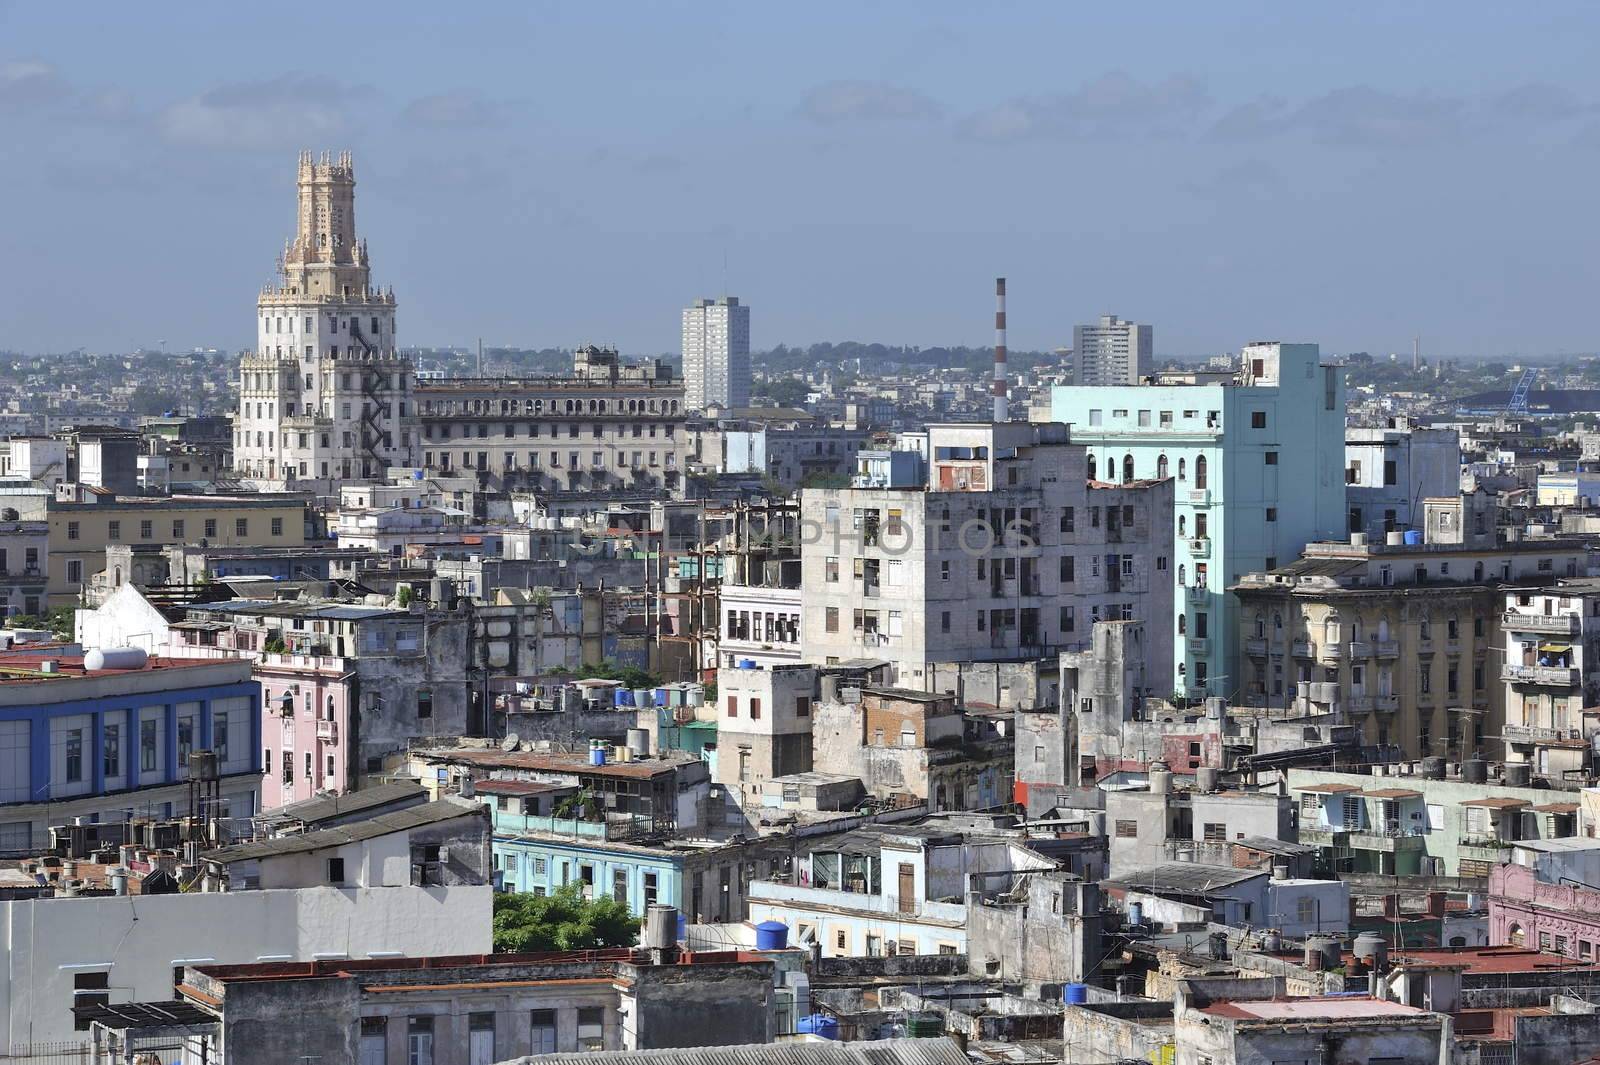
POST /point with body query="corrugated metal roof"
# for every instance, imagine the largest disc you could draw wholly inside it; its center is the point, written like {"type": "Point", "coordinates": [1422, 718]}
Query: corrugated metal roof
{"type": "Point", "coordinates": [941, 1051]}
{"type": "Point", "coordinates": [1184, 878]}
{"type": "Point", "coordinates": [326, 807]}
{"type": "Point", "coordinates": [371, 828]}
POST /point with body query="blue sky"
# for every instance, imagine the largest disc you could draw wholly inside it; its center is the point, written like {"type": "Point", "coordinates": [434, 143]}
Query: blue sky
{"type": "Point", "coordinates": [548, 174]}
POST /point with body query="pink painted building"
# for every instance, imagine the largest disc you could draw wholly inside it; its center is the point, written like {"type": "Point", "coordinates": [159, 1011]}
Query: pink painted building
{"type": "Point", "coordinates": [1526, 911]}
{"type": "Point", "coordinates": [305, 722]}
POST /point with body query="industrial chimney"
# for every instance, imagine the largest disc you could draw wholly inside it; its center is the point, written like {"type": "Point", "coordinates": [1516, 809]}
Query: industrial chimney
{"type": "Point", "coordinates": [1001, 409]}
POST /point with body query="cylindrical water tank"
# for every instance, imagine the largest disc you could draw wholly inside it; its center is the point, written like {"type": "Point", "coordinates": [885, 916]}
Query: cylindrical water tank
{"type": "Point", "coordinates": [772, 935]}
{"type": "Point", "coordinates": [1075, 994]}
{"type": "Point", "coordinates": [1413, 537]}
{"type": "Point", "coordinates": [660, 928]}
{"type": "Point", "coordinates": [639, 742]}
{"type": "Point", "coordinates": [597, 755]}
{"type": "Point", "coordinates": [661, 697]}
{"type": "Point", "coordinates": [1332, 952]}
{"type": "Point", "coordinates": [1160, 778]}
{"type": "Point", "coordinates": [642, 698]}
{"type": "Point", "coordinates": [1371, 948]}
{"type": "Point", "coordinates": [747, 663]}
{"type": "Point", "coordinates": [1474, 771]}
{"type": "Point", "coordinates": [1206, 778]}
{"type": "Point", "coordinates": [924, 1025]}
{"type": "Point", "coordinates": [697, 695]}
{"type": "Point", "coordinates": [1272, 941]}
{"type": "Point", "coordinates": [115, 658]}
{"type": "Point", "coordinates": [1433, 768]}
{"type": "Point", "coordinates": [1394, 538]}
{"type": "Point", "coordinates": [1136, 913]}
{"type": "Point", "coordinates": [623, 697]}
{"type": "Point", "coordinates": [1517, 774]}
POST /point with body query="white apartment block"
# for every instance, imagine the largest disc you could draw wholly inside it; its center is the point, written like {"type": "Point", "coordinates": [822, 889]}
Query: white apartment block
{"type": "Point", "coordinates": [608, 427]}
{"type": "Point", "coordinates": [1111, 352]}
{"type": "Point", "coordinates": [716, 353]}
{"type": "Point", "coordinates": [1551, 672]}
{"type": "Point", "coordinates": [1001, 552]}
{"type": "Point", "coordinates": [326, 395]}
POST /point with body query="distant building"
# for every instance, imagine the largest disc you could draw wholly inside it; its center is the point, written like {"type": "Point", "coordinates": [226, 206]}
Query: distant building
{"type": "Point", "coordinates": [1112, 351]}
{"type": "Point", "coordinates": [1258, 458]}
{"type": "Point", "coordinates": [716, 353]}
{"type": "Point", "coordinates": [326, 395]}
{"type": "Point", "coordinates": [1390, 471]}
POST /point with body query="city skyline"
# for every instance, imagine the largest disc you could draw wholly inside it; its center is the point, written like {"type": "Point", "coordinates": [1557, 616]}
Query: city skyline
{"type": "Point", "coordinates": [1259, 166]}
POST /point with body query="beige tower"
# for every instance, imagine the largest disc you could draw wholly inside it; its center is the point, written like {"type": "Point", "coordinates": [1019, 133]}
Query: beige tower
{"type": "Point", "coordinates": [326, 395]}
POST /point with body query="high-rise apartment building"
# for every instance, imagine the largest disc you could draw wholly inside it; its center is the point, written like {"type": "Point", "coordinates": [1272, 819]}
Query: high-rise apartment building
{"type": "Point", "coordinates": [716, 353]}
{"type": "Point", "coordinates": [1110, 352]}
{"type": "Point", "coordinates": [326, 395]}
{"type": "Point", "coordinates": [984, 544]}
{"type": "Point", "coordinates": [1257, 455]}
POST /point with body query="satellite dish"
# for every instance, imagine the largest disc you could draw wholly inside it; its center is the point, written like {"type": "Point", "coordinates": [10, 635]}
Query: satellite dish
{"type": "Point", "coordinates": [511, 742]}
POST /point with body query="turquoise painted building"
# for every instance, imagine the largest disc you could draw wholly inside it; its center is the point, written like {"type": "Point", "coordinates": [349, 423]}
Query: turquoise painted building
{"type": "Point", "coordinates": [1258, 459]}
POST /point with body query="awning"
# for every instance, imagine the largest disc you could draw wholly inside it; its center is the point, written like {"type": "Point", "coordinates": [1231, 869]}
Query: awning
{"type": "Point", "coordinates": [1554, 648]}
{"type": "Point", "coordinates": [1497, 803]}
{"type": "Point", "coordinates": [1328, 789]}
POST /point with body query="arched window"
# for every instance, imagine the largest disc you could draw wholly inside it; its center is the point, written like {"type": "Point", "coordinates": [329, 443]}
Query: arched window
{"type": "Point", "coordinates": [1093, 466]}
{"type": "Point", "coordinates": [1383, 628]}
{"type": "Point", "coordinates": [1181, 581]}
{"type": "Point", "coordinates": [1183, 624]}
{"type": "Point", "coordinates": [1161, 467]}
{"type": "Point", "coordinates": [1200, 471]}
{"type": "Point", "coordinates": [1127, 468]}
{"type": "Point", "coordinates": [1330, 630]}
{"type": "Point", "coordinates": [1515, 935]}
{"type": "Point", "coordinates": [1183, 526]}
{"type": "Point", "coordinates": [1261, 626]}
{"type": "Point", "coordinates": [1277, 620]}
{"type": "Point", "coordinates": [1183, 468]}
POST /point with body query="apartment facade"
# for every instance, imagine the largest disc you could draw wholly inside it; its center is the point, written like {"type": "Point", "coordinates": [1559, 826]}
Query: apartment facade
{"type": "Point", "coordinates": [999, 550]}
{"type": "Point", "coordinates": [1551, 675]}
{"type": "Point", "coordinates": [716, 353]}
{"type": "Point", "coordinates": [1112, 351]}
{"type": "Point", "coordinates": [1390, 469]}
{"type": "Point", "coordinates": [1257, 460]}
{"type": "Point", "coordinates": [24, 567]}
{"type": "Point", "coordinates": [326, 395]}
{"type": "Point", "coordinates": [607, 427]}
{"type": "Point", "coordinates": [114, 743]}
{"type": "Point", "coordinates": [1407, 637]}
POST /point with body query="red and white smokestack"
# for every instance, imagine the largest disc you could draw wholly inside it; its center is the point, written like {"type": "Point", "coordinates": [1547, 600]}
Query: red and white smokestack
{"type": "Point", "coordinates": [1002, 412]}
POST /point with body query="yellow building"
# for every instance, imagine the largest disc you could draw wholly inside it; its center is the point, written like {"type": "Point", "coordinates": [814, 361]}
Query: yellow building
{"type": "Point", "coordinates": [83, 525]}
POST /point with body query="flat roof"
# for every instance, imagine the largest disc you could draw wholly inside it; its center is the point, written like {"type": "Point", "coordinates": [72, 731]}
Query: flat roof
{"type": "Point", "coordinates": [373, 827]}
{"type": "Point", "coordinates": [536, 761]}
{"type": "Point", "coordinates": [1312, 1009]}
{"type": "Point", "coordinates": [327, 807]}
{"type": "Point", "coordinates": [1393, 793]}
{"type": "Point", "coordinates": [1185, 878]}
{"type": "Point", "coordinates": [1497, 803]}
{"type": "Point", "coordinates": [1327, 789]}
{"type": "Point", "coordinates": [517, 787]}
{"type": "Point", "coordinates": [902, 1051]}
{"type": "Point", "coordinates": [23, 666]}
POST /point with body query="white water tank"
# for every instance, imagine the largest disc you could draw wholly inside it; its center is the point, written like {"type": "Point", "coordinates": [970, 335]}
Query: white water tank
{"type": "Point", "coordinates": [115, 658]}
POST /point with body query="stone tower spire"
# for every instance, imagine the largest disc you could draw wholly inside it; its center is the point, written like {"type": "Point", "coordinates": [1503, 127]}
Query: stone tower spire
{"type": "Point", "coordinates": [325, 258]}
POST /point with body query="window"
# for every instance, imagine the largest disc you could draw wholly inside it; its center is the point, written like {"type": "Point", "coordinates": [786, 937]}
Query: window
{"type": "Point", "coordinates": [335, 870]}
{"type": "Point", "coordinates": [831, 619]}
{"type": "Point", "coordinates": [650, 889]}
{"type": "Point", "coordinates": [374, 1048]}
{"type": "Point", "coordinates": [425, 703]}
{"type": "Point", "coordinates": [211, 526]}
{"type": "Point", "coordinates": [72, 530]}
{"type": "Point", "coordinates": [147, 746]}
{"type": "Point", "coordinates": [1127, 830]}
{"type": "Point", "coordinates": [733, 706]}
{"type": "Point", "coordinates": [277, 526]}
{"type": "Point", "coordinates": [1272, 458]}
{"type": "Point", "coordinates": [241, 526]}
{"type": "Point", "coordinates": [591, 1028]}
{"type": "Point", "coordinates": [74, 755]}
{"type": "Point", "coordinates": [114, 530]}
{"type": "Point", "coordinates": [89, 989]}
{"type": "Point", "coordinates": [1258, 419]}
{"type": "Point", "coordinates": [112, 757]}
{"type": "Point", "coordinates": [755, 708]}
{"type": "Point", "coordinates": [1272, 513]}
{"type": "Point", "coordinates": [147, 529]}
{"type": "Point", "coordinates": [944, 621]}
{"type": "Point", "coordinates": [419, 1041]}
{"type": "Point", "coordinates": [1216, 832]}
{"type": "Point", "coordinates": [177, 529]}
{"type": "Point", "coordinates": [619, 885]}
{"type": "Point", "coordinates": [1200, 472]}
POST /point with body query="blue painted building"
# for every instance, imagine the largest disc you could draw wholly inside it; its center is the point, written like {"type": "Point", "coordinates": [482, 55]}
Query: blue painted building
{"type": "Point", "coordinates": [113, 744]}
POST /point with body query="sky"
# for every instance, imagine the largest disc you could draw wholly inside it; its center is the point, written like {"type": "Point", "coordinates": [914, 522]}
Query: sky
{"type": "Point", "coordinates": [540, 174]}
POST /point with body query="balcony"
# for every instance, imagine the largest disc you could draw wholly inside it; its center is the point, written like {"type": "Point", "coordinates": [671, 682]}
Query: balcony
{"type": "Point", "coordinates": [1387, 704]}
{"type": "Point", "coordinates": [1332, 652]}
{"type": "Point", "coordinates": [1546, 676]}
{"type": "Point", "coordinates": [1547, 624]}
{"type": "Point", "coordinates": [1360, 649]}
{"type": "Point", "coordinates": [1389, 839]}
{"type": "Point", "coordinates": [1535, 734]}
{"type": "Point", "coordinates": [1255, 646]}
{"type": "Point", "coordinates": [1358, 704]}
{"type": "Point", "coordinates": [1302, 649]}
{"type": "Point", "coordinates": [327, 730]}
{"type": "Point", "coordinates": [1199, 646]}
{"type": "Point", "coordinates": [1482, 849]}
{"type": "Point", "coordinates": [1323, 836]}
{"type": "Point", "coordinates": [1200, 548]}
{"type": "Point", "coordinates": [1386, 648]}
{"type": "Point", "coordinates": [1197, 595]}
{"type": "Point", "coordinates": [1200, 497]}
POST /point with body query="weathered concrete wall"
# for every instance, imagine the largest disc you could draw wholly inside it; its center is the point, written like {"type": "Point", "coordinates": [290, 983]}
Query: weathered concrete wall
{"type": "Point", "coordinates": [276, 1023]}
{"type": "Point", "coordinates": [701, 1005]}
{"type": "Point", "coordinates": [1053, 938]}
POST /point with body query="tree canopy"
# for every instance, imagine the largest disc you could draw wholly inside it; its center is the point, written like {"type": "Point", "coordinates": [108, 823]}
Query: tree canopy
{"type": "Point", "coordinates": [563, 920]}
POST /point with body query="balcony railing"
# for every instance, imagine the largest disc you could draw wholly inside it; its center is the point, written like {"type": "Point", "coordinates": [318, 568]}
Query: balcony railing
{"type": "Point", "coordinates": [1200, 497]}
{"type": "Point", "coordinates": [1200, 548]}
{"type": "Point", "coordinates": [1301, 648]}
{"type": "Point", "coordinates": [1386, 703]}
{"type": "Point", "coordinates": [1535, 734]}
{"type": "Point", "coordinates": [1360, 649]}
{"type": "Point", "coordinates": [1549, 624]}
{"type": "Point", "coordinates": [1549, 676]}
{"type": "Point", "coordinates": [1255, 645]}
{"type": "Point", "coordinates": [1199, 646]}
{"type": "Point", "coordinates": [327, 730]}
{"type": "Point", "coordinates": [1386, 648]}
{"type": "Point", "coordinates": [1332, 652]}
{"type": "Point", "coordinates": [1358, 704]}
{"type": "Point", "coordinates": [1197, 594]}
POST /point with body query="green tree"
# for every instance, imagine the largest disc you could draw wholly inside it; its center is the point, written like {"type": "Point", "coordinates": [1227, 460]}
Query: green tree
{"type": "Point", "coordinates": [630, 676]}
{"type": "Point", "coordinates": [564, 920]}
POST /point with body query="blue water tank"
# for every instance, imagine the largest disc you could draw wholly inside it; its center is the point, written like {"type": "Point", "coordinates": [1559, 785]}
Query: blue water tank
{"type": "Point", "coordinates": [1413, 537]}
{"type": "Point", "coordinates": [1136, 913]}
{"type": "Point", "coordinates": [624, 697]}
{"type": "Point", "coordinates": [819, 1024]}
{"type": "Point", "coordinates": [416, 475]}
{"type": "Point", "coordinates": [661, 697]}
{"type": "Point", "coordinates": [1075, 994]}
{"type": "Point", "coordinates": [747, 663]}
{"type": "Point", "coordinates": [772, 935]}
{"type": "Point", "coordinates": [597, 756]}
{"type": "Point", "coordinates": [683, 926]}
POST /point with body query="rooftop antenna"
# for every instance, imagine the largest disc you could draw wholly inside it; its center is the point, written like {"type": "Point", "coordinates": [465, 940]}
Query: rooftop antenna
{"type": "Point", "coordinates": [1416, 354]}
{"type": "Point", "coordinates": [1001, 405]}
{"type": "Point", "coordinates": [480, 357]}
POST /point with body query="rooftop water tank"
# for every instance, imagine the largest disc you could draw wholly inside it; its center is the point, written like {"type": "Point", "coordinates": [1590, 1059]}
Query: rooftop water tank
{"type": "Point", "coordinates": [115, 658]}
{"type": "Point", "coordinates": [772, 935]}
{"type": "Point", "coordinates": [818, 1024]}
{"type": "Point", "coordinates": [1413, 537]}
{"type": "Point", "coordinates": [1075, 994]}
